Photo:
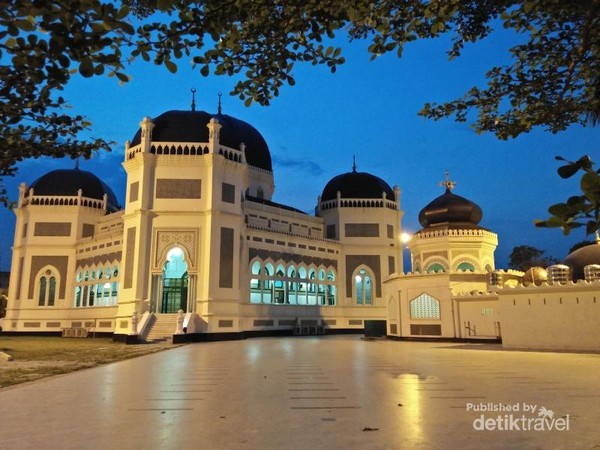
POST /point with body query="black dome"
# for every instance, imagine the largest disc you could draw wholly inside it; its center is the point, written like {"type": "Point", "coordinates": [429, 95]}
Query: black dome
{"type": "Point", "coordinates": [190, 126]}
{"type": "Point", "coordinates": [452, 211]}
{"type": "Point", "coordinates": [584, 256]}
{"type": "Point", "coordinates": [68, 181]}
{"type": "Point", "coordinates": [356, 185]}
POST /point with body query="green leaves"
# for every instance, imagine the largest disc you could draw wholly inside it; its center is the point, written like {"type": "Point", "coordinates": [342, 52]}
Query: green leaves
{"type": "Point", "coordinates": [86, 68]}
{"type": "Point", "coordinates": [580, 210]}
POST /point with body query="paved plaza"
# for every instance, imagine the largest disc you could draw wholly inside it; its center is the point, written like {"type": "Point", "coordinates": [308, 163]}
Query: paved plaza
{"type": "Point", "coordinates": [339, 392]}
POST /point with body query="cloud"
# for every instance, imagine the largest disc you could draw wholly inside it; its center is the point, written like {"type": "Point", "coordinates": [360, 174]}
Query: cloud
{"type": "Point", "coordinates": [302, 165]}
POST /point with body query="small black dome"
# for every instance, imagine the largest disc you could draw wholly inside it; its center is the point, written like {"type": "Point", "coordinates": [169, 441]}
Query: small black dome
{"type": "Point", "coordinates": [356, 185]}
{"type": "Point", "coordinates": [452, 211]}
{"type": "Point", "coordinates": [191, 126]}
{"type": "Point", "coordinates": [584, 256]}
{"type": "Point", "coordinates": [68, 181]}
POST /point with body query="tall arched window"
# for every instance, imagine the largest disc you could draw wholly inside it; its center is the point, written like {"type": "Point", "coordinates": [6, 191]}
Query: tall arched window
{"type": "Point", "coordinates": [255, 283]}
{"type": "Point", "coordinates": [47, 288]}
{"type": "Point", "coordinates": [363, 287]}
{"type": "Point", "coordinates": [331, 288]}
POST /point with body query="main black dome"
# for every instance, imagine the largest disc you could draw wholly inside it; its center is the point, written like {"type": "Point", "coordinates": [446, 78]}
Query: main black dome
{"type": "Point", "coordinates": [191, 126]}
{"type": "Point", "coordinates": [356, 185]}
{"type": "Point", "coordinates": [66, 182]}
{"type": "Point", "coordinates": [451, 210]}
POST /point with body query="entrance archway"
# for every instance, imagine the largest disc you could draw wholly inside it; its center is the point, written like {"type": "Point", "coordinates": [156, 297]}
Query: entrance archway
{"type": "Point", "coordinates": [175, 282]}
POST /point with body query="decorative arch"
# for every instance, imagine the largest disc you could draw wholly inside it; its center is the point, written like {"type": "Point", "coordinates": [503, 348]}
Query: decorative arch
{"type": "Point", "coordinates": [291, 283]}
{"type": "Point", "coordinates": [165, 239]}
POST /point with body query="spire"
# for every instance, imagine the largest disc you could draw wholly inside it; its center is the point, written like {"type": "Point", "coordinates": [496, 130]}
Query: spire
{"type": "Point", "coordinates": [447, 183]}
{"type": "Point", "coordinates": [77, 163]}
{"type": "Point", "coordinates": [193, 99]}
{"type": "Point", "coordinates": [354, 163]}
{"type": "Point", "coordinates": [219, 108]}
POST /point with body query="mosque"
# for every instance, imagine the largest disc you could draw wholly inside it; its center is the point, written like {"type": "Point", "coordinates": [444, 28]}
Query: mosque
{"type": "Point", "coordinates": [200, 251]}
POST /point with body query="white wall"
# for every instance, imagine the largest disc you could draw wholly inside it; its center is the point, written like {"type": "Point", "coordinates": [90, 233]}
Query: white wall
{"type": "Point", "coordinates": [559, 317]}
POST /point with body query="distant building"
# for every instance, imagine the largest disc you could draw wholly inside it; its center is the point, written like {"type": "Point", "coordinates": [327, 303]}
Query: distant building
{"type": "Point", "coordinates": [201, 248]}
{"type": "Point", "coordinates": [451, 254]}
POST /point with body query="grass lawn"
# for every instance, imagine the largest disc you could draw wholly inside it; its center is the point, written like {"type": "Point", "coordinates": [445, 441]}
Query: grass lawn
{"type": "Point", "coordinates": [39, 357]}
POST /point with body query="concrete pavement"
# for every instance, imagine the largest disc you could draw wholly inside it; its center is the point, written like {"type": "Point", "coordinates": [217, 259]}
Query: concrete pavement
{"type": "Point", "coordinates": [314, 393]}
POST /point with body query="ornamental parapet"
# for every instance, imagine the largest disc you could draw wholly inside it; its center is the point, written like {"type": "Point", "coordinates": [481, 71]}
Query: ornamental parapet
{"type": "Point", "coordinates": [64, 200]}
{"type": "Point", "coordinates": [186, 148]}
{"type": "Point", "coordinates": [468, 232]}
{"type": "Point", "coordinates": [358, 203]}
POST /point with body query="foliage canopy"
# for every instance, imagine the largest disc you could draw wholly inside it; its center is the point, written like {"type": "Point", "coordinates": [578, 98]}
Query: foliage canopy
{"type": "Point", "coordinates": [553, 80]}
{"type": "Point", "coordinates": [524, 257]}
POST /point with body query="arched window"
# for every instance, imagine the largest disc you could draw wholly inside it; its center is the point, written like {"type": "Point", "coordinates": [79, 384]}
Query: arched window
{"type": "Point", "coordinates": [279, 285]}
{"type": "Point", "coordinates": [47, 288]}
{"type": "Point", "coordinates": [255, 283]}
{"type": "Point", "coordinates": [424, 307]}
{"type": "Point", "coordinates": [465, 267]}
{"type": "Point", "coordinates": [436, 268]}
{"type": "Point", "coordinates": [293, 287]}
{"type": "Point", "coordinates": [42, 297]}
{"type": "Point", "coordinates": [363, 287]}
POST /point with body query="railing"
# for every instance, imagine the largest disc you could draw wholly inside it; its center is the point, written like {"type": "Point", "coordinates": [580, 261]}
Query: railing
{"type": "Point", "coordinates": [255, 226]}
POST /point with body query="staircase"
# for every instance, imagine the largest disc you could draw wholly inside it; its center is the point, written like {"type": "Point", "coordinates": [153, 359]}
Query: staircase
{"type": "Point", "coordinates": [162, 328]}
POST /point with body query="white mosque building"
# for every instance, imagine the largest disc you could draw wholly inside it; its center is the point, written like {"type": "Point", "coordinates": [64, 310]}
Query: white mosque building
{"type": "Point", "coordinates": [200, 251]}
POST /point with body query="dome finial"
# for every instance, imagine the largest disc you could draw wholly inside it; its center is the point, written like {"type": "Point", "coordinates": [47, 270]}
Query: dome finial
{"type": "Point", "coordinates": [219, 108]}
{"type": "Point", "coordinates": [354, 163]}
{"type": "Point", "coordinates": [447, 183]}
{"type": "Point", "coordinates": [193, 99]}
{"type": "Point", "coordinates": [77, 163]}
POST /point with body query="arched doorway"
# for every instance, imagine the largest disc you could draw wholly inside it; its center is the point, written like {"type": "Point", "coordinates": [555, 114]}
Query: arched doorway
{"type": "Point", "coordinates": [175, 282]}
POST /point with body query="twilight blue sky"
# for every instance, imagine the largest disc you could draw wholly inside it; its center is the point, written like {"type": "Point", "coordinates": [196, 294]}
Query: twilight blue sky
{"type": "Point", "coordinates": [367, 109]}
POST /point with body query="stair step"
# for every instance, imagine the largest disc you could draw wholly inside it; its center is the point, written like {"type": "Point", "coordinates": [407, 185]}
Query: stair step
{"type": "Point", "coordinates": [163, 328]}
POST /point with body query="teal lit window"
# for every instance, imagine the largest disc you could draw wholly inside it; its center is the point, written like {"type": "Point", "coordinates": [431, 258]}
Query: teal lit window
{"type": "Point", "coordinates": [424, 307]}
{"type": "Point", "coordinates": [465, 267]}
{"type": "Point", "coordinates": [436, 268]}
{"type": "Point", "coordinates": [363, 287]}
